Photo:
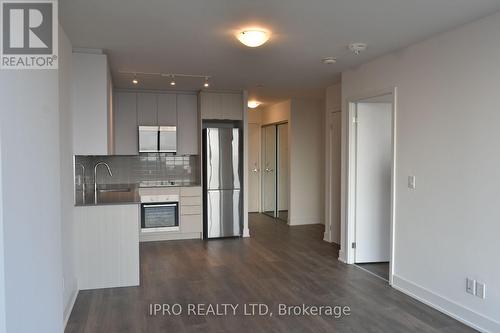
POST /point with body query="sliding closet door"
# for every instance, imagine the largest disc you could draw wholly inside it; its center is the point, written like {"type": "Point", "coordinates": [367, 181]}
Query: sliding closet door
{"type": "Point", "coordinates": [269, 170]}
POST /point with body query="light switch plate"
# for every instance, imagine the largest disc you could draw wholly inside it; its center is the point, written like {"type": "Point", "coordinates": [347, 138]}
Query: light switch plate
{"type": "Point", "coordinates": [470, 286]}
{"type": "Point", "coordinates": [480, 290]}
{"type": "Point", "coordinates": [411, 182]}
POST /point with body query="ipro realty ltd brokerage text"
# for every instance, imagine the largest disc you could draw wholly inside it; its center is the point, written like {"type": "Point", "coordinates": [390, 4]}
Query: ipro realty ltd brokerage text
{"type": "Point", "coordinates": [247, 309]}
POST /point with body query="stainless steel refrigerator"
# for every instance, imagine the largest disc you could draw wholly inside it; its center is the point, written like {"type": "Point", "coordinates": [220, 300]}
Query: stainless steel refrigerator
{"type": "Point", "coordinates": [222, 179]}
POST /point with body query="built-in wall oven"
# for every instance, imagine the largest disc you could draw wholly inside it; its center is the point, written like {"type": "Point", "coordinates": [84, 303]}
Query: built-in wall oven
{"type": "Point", "coordinates": [159, 213]}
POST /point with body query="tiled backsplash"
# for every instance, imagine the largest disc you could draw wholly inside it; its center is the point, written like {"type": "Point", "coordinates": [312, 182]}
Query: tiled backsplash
{"type": "Point", "coordinates": [143, 168]}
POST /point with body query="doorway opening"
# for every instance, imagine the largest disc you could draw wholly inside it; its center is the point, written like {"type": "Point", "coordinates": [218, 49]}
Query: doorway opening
{"type": "Point", "coordinates": [371, 184]}
{"type": "Point", "coordinates": [275, 167]}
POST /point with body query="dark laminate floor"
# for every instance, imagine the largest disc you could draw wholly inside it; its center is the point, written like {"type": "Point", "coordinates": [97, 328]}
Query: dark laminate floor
{"type": "Point", "coordinates": [279, 264]}
{"type": "Point", "coordinates": [380, 269]}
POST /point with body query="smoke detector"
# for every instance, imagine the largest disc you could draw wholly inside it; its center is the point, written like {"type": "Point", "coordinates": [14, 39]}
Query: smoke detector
{"type": "Point", "coordinates": [357, 48]}
{"type": "Point", "coordinates": [329, 60]}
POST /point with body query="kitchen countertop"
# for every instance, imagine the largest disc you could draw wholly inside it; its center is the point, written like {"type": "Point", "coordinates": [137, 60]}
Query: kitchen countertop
{"type": "Point", "coordinates": [119, 194]}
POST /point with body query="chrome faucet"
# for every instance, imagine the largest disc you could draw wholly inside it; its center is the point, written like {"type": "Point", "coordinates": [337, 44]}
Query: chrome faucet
{"type": "Point", "coordinates": [95, 177]}
{"type": "Point", "coordinates": [83, 182]}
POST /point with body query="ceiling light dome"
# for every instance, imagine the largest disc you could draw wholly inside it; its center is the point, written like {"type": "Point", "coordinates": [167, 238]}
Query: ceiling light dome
{"type": "Point", "coordinates": [253, 37]}
{"type": "Point", "coordinates": [253, 104]}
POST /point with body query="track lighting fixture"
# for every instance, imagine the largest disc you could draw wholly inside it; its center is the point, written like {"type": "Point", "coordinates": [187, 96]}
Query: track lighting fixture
{"type": "Point", "coordinates": [171, 76]}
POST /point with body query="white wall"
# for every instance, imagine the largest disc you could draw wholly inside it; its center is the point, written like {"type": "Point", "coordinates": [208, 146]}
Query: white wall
{"type": "Point", "coordinates": [70, 287]}
{"type": "Point", "coordinates": [31, 200]}
{"type": "Point", "coordinates": [306, 162]}
{"type": "Point", "coordinates": [276, 112]}
{"type": "Point", "coordinates": [2, 252]}
{"type": "Point", "coordinates": [448, 136]}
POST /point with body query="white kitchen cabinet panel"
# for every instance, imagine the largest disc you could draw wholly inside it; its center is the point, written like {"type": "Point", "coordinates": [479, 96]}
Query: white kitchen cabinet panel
{"type": "Point", "coordinates": [232, 106]}
{"type": "Point", "coordinates": [167, 109]}
{"type": "Point", "coordinates": [125, 124]}
{"type": "Point", "coordinates": [107, 246]}
{"type": "Point", "coordinates": [210, 105]}
{"type": "Point", "coordinates": [190, 210]}
{"type": "Point", "coordinates": [191, 191]}
{"type": "Point", "coordinates": [147, 109]}
{"type": "Point", "coordinates": [223, 106]}
{"type": "Point", "coordinates": [191, 201]}
{"type": "Point", "coordinates": [187, 124]}
{"type": "Point", "coordinates": [191, 223]}
{"type": "Point", "coordinates": [90, 103]}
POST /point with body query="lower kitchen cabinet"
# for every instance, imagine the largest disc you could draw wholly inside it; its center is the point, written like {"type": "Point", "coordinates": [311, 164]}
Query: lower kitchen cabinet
{"type": "Point", "coordinates": [107, 246]}
{"type": "Point", "coordinates": [191, 210]}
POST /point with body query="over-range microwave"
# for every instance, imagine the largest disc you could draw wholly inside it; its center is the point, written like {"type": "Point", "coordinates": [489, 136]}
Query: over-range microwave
{"type": "Point", "coordinates": [157, 139]}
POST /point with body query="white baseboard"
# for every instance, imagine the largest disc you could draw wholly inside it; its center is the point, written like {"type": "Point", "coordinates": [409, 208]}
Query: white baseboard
{"type": "Point", "coordinates": [246, 233]}
{"type": "Point", "coordinates": [69, 307]}
{"type": "Point", "coordinates": [342, 257]}
{"type": "Point", "coordinates": [304, 221]}
{"type": "Point", "coordinates": [449, 307]}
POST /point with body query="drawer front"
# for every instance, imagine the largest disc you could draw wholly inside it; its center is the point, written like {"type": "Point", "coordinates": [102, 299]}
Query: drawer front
{"type": "Point", "coordinates": [191, 223]}
{"type": "Point", "coordinates": [194, 191]}
{"type": "Point", "coordinates": [159, 191]}
{"type": "Point", "coordinates": [190, 201]}
{"type": "Point", "coordinates": [157, 198]}
{"type": "Point", "coordinates": [190, 210]}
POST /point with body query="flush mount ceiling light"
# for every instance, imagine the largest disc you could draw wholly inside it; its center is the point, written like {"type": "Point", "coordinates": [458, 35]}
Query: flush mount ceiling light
{"type": "Point", "coordinates": [253, 37]}
{"type": "Point", "coordinates": [134, 80]}
{"type": "Point", "coordinates": [253, 104]}
{"type": "Point", "coordinates": [329, 60]}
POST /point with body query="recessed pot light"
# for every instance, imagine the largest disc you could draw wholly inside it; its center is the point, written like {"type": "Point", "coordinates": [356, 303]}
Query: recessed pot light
{"type": "Point", "coordinates": [253, 104]}
{"type": "Point", "coordinates": [253, 37]}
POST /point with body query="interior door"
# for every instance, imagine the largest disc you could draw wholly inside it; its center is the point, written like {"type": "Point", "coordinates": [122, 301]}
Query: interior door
{"type": "Point", "coordinates": [373, 182]}
{"type": "Point", "coordinates": [253, 167]}
{"type": "Point", "coordinates": [269, 170]}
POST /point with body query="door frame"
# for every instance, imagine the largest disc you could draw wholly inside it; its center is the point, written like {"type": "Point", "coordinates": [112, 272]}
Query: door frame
{"type": "Point", "coordinates": [259, 167]}
{"type": "Point", "coordinates": [329, 186]}
{"type": "Point", "coordinates": [350, 233]}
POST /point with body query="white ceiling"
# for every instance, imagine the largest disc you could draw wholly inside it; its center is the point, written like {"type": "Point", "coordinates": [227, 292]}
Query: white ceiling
{"type": "Point", "coordinates": [196, 37]}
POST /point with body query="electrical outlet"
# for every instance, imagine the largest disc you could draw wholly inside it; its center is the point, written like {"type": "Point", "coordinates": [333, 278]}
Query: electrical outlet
{"type": "Point", "coordinates": [411, 182]}
{"type": "Point", "coordinates": [470, 286]}
{"type": "Point", "coordinates": [480, 290]}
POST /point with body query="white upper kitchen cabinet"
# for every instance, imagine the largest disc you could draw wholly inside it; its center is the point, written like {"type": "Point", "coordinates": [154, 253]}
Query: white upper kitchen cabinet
{"type": "Point", "coordinates": [223, 106]}
{"type": "Point", "coordinates": [125, 123]}
{"type": "Point", "coordinates": [91, 103]}
{"type": "Point", "coordinates": [210, 105]}
{"type": "Point", "coordinates": [167, 109]}
{"type": "Point", "coordinates": [232, 106]}
{"type": "Point", "coordinates": [187, 124]}
{"type": "Point", "coordinates": [147, 109]}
